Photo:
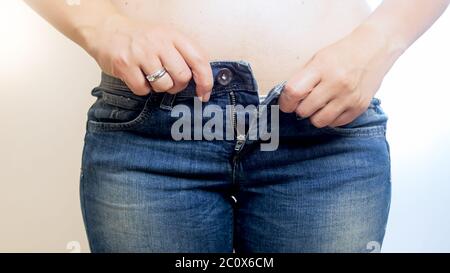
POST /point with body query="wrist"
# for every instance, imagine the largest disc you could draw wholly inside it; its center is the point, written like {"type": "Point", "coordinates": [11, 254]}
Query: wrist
{"type": "Point", "coordinates": [88, 33]}
{"type": "Point", "coordinates": [384, 42]}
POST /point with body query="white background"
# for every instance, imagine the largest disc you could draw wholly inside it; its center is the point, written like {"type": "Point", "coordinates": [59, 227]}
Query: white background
{"type": "Point", "coordinates": [416, 96]}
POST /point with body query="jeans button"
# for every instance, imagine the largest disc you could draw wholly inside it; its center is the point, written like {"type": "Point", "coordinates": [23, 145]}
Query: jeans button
{"type": "Point", "coordinates": [225, 76]}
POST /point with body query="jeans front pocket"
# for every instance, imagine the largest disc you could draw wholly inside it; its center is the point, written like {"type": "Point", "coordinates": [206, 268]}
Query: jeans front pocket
{"type": "Point", "coordinates": [370, 123]}
{"type": "Point", "coordinates": [117, 110]}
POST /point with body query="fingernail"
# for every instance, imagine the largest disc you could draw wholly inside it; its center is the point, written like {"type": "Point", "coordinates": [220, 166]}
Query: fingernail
{"type": "Point", "coordinates": [207, 96]}
{"type": "Point", "coordinates": [300, 117]}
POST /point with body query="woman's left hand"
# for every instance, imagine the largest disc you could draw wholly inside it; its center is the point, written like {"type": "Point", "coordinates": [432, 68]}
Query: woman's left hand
{"type": "Point", "coordinates": [339, 82]}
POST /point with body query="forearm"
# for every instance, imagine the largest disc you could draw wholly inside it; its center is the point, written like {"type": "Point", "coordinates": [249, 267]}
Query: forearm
{"type": "Point", "coordinates": [74, 21]}
{"type": "Point", "coordinates": [402, 22]}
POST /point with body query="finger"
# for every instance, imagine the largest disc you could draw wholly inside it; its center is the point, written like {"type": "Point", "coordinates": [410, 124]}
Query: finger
{"type": "Point", "coordinates": [136, 81]}
{"type": "Point", "coordinates": [298, 88]}
{"type": "Point", "coordinates": [328, 114]}
{"type": "Point", "coordinates": [178, 69]}
{"type": "Point", "coordinates": [200, 66]}
{"type": "Point", "coordinates": [316, 100]}
{"type": "Point", "coordinates": [345, 118]}
{"type": "Point", "coordinates": [150, 66]}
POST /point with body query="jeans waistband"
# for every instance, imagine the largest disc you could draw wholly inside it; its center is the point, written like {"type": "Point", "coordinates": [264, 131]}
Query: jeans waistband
{"type": "Point", "coordinates": [242, 78]}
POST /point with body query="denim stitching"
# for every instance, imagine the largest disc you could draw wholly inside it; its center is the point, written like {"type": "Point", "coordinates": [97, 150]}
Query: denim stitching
{"type": "Point", "coordinates": [357, 132]}
{"type": "Point", "coordinates": [109, 126]}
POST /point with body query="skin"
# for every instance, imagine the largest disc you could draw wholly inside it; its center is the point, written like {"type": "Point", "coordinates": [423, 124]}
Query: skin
{"type": "Point", "coordinates": [334, 73]}
{"type": "Point", "coordinates": [275, 37]}
{"type": "Point", "coordinates": [338, 83]}
{"type": "Point", "coordinates": [129, 49]}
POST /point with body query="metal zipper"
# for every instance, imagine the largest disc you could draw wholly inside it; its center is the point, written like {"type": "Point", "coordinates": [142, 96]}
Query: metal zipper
{"type": "Point", "coordinates": [240, 138]}
{"type": "Point", "coordinates": [240, 142]}
{"type": "Point", "coordinates": [273, 94]}
{"type": "Point", "coordinates": [233, 112]}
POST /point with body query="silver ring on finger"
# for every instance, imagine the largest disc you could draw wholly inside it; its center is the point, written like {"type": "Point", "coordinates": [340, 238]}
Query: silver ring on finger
{"type": "Point", "coordinates": [157, 75]}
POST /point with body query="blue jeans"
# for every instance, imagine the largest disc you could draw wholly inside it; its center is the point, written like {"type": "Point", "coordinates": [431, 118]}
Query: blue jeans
{"type": "Point", "coordinates": [322, 190]}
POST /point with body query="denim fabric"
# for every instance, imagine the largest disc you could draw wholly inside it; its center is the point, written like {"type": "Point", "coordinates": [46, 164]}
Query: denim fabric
{"type": "Point", "coordinates": [322, 190]}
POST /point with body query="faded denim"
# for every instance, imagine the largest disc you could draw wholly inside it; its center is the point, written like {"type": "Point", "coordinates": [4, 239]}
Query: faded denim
{"type": "Point", "coordinates": [322, 190]}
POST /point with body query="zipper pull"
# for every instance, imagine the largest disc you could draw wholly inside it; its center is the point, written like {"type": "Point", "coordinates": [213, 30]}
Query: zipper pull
{"type": "Point", "coordinates": [240, 142]}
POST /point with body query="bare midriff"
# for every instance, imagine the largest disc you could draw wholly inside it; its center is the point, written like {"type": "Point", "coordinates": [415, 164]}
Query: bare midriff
{"type": "Point", "coordinates": [275, 37]}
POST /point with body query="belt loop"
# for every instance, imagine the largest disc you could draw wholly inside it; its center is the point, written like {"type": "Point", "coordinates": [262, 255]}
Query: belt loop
{"type": "Point", "coordinates": [167, 101]}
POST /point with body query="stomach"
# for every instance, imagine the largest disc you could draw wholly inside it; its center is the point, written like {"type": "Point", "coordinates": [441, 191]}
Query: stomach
{"type": "Point", "coordinates": [275, 37]}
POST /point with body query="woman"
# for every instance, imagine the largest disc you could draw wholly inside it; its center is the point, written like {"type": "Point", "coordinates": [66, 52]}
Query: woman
{"type": "Point", "coordinates": [326, 188]}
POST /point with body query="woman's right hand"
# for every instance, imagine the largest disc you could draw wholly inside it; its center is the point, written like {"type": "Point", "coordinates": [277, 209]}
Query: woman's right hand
{"type": "Point", "coordinates": [130, 50]}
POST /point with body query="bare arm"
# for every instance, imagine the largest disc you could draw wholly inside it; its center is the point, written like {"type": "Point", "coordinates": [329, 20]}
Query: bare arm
{"type": "Point", "coordinates": [129, 49]}
{"type": "Point", "coordinates": [338, 83]}
{"type": "Point", "coordinates": [403, 21]}
{"type": "Point", "coordinates": [76, 22]}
